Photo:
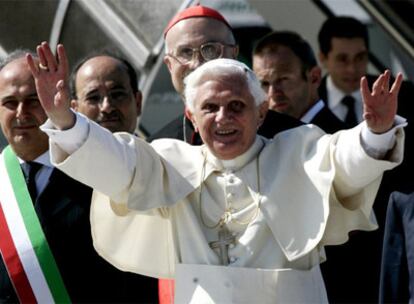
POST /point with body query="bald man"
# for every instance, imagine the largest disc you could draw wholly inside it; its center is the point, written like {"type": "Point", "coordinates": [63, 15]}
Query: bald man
{"type": "Point", "coordinates": [104, 87]}
{"type": "Point", "coordinates": [194, 36]}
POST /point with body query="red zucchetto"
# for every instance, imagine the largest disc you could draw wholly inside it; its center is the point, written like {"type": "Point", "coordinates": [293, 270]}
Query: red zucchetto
{"type": "Point", "coordinates": [195, 11]}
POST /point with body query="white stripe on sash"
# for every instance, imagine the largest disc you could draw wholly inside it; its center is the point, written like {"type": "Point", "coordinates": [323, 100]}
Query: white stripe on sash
{"type": "Point", "coordinates": [21, 239]}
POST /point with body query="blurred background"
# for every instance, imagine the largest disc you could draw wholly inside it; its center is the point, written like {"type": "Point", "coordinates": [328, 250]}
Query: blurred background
{"type": "Point", "coordinates": [134, 28]}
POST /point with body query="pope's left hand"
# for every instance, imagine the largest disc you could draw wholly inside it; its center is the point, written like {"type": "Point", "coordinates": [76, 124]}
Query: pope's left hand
{"type": "Point", "coordinates": [380, 105]}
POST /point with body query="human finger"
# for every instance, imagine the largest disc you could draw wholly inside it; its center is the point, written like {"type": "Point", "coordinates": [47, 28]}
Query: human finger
{"type": "Point", "coordinates": [42, 59]}
{"type": "Point", "coordinates": [397, 84]}
{"type": "Point", "coordinates": [32, 65]}
{"type": "Point", "coordinates": [50, 58]}
{"type": "Point", "coordinates": [365, 92]}
{"type": "Point", "coordinates": [386, 84]}
{"type": "Point", "coordinates": [62, 58]}
{"type": "Point", "coordinates": [378, 84]}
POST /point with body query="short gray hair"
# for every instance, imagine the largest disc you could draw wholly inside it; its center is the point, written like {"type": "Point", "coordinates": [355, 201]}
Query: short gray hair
{"type": "Point", "coordinates": [16, 54]}
{"type": "Point", "coordinates": [222, 67]}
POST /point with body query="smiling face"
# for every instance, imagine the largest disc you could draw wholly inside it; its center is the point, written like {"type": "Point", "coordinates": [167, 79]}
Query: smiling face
{"type": "Point", "coordinates": [21, 113]}
{"type": "Point", "coordinates": [346, 62]}
{"type": "Point", "coordinates": [104, 94]}
{"type": "Point", "coordinates": [226, 115]}
{"type": "Point", "coordinates": [281, 75]}
{"type": "Point", "coordinates": [192, 33]}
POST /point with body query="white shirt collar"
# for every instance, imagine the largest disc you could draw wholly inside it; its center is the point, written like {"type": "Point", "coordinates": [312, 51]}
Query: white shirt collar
{"type": "Point", "coordinates": [241, 160]}
{"type": "Point", "coordinates": [335, 94]}
{"type": "Point", "coordinates": [43, 159]}
{"type": "Point", "coordinates": [313, 111]}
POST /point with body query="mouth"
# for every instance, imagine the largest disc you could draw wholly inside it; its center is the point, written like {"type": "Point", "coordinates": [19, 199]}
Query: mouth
{"type": "Point", "coordinates": [225, 132]}
{"type": "Point", "coordinates": [111, 120]}
{"type": "Point", "coordinates": [226, 136]}
{"type": "Point", "coordinates": [25, 127]}
{"type": "Point", "coordinates": [278, 106]}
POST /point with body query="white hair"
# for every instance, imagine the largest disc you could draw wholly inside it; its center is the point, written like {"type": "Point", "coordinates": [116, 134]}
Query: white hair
{"type": "Point", "coordinates": [222, 67]}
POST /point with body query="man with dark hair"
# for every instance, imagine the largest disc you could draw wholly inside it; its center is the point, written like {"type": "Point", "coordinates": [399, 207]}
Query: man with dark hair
{"type": "Point", "coordinates": [344, 48]}
{"type": "Point", "coordinates": [288, 71]}
{"type": "Point", "coordinates": [192, 37]}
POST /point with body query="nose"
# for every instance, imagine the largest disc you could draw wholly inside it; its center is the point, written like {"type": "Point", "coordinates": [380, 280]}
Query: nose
{"type": "Point", "coordinates": [21, 110]}
{"type": "Point", "coordinates": [274, 89]}
{"type": "Point", "coordinates": [223, 115]}
{"type": "Point", "coordinates": [106, 105]}
{"type": "Point", "coordinates": [197, 60]}
{"type": "Point", "coordinates": [351, 66]}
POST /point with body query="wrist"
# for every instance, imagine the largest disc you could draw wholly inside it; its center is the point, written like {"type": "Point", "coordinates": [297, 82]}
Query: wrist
{"type": "Point", "coordinates": [63, 121]}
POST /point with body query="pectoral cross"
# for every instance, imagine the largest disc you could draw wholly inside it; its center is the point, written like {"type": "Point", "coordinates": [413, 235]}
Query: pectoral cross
{"type": "Point", "coordinates": [225, 239]}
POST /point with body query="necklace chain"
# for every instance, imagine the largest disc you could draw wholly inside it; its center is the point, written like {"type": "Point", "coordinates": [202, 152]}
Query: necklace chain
{"type": "Point", "coordinates": [227, 216]}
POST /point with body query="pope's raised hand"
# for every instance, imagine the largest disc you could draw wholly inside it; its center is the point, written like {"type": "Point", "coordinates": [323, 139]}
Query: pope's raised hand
{"type": "Point", "coordinates": [380, 105]}
{"type": "Point", "coordinates": [51, 79]}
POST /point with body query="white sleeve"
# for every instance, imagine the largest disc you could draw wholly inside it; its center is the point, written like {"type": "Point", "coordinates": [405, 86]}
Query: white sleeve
{"type": "Point", "coordinates": [68, 140]}
{"type": "Point", "coordinates": [377, 145]}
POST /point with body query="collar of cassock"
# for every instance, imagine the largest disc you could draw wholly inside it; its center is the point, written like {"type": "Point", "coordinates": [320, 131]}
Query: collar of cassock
{"type": "Point", "coordinates": [214, 164]}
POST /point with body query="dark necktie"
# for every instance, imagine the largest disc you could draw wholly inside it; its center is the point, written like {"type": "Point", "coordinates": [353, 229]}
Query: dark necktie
{"type": "Point", "coordinates": [350, 118]}
{"type": "Point", "coordinates": [30, 169]}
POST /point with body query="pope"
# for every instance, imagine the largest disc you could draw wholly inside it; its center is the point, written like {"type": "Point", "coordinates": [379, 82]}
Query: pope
{"type": "Point", "coordinates": [240, 219]}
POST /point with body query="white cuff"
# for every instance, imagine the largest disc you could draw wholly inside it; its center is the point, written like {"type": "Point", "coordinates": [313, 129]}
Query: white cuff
{"type": "Point", "coordinates": [377, 145]}
{"type": "Point", "coordinates": [71, 139]}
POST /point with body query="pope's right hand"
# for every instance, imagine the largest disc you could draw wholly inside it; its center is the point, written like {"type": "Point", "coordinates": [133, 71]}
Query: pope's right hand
{"type": "Point", "coordinates": [51, 79]}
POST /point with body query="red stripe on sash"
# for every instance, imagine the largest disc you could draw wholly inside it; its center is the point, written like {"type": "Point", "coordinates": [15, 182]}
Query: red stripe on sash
{"type": "Point", "coordinates": [13, 264]}
{"type": "Point", "coordinates": [166, 291]}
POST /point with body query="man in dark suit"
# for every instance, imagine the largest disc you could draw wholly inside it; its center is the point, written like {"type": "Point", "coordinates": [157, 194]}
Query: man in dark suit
{"type": "Point", "coordinates": [104, 87]}
{"type": "Point", "coordinates": [288, 71]}
{"type": "Point", "coordinates": [60, 204]}
{"type": "Point", "coordinates": [343, 52]}
{"type": "Point", "coordinates": [397, 269]}
{"type": "Point", "coordinates": [192, 37]}
{"type": "Point", "coordinates": [287, 68]}
{"type": "Point", "coordinates": [344, 47]}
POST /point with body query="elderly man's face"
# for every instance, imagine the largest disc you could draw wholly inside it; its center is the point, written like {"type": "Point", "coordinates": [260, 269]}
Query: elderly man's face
{"type": "Point", "coordinates": [226, 115]}
{"type": "Point", "coordinates": [192, 33]}
{"type": "Point", "coordinates": [104, 94]}
{"type": "Point", "coordinates": [21, 113]}
{"type": "Point", "coordinates": [346, 62]}
{"type": "Point", "coordinates": [288, 90]}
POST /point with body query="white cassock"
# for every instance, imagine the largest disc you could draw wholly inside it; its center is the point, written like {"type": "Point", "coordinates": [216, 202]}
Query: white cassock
{"type": "Point", "coordinates": [284, 199]}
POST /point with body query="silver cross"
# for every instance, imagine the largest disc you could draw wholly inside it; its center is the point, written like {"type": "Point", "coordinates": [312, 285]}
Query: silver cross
{"type": "Point", "coordinates": [225, 239]}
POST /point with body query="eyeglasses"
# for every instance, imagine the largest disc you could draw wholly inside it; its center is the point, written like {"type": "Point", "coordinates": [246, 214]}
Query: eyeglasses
{"type": "Point", "coordinates": [208, 51]}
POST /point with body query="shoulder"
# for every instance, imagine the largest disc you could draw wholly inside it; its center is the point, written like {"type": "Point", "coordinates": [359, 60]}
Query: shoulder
{"type": "Point", "coordinates": [402, 200]}
{"type": "Point", "coordinates": [401, 205]}
{"type": "Point", "coordinates": [173, 129]}
{"type": "Point", "coordinates": [296, 139]}
{"type": "Point", "coordinates": [277, 122]}
{"type": "Point", "coordinates": [328, 121]}
{"type": "Point", "coordinates": [175, 149]}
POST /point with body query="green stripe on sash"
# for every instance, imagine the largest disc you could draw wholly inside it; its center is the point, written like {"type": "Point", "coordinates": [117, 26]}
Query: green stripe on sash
{"type": "Point", "coordinates": [34, 229]}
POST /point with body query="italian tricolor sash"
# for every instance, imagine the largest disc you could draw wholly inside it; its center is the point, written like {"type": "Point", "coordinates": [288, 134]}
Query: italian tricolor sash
{"type": "Point", "coordinates": [23, 246]}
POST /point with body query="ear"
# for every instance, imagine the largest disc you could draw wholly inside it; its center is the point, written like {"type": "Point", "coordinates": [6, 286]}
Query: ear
{"type": "Point", "coordinates": [190, 116]}
{"type": "Point", "coordinates": [138, 100]}
{"type": "Point", "coordinates": [322, 59]}
{"type": "Point", "coordinates": [167, 61]}
{"type": "Point", "coordinates": [263, 108]}
{"type": "Point", "coordinates": [74, 104]}
{"type": "Point", "coordinates": [315, 76]}
{"type": "Point", "coordinates": [236, 51]}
